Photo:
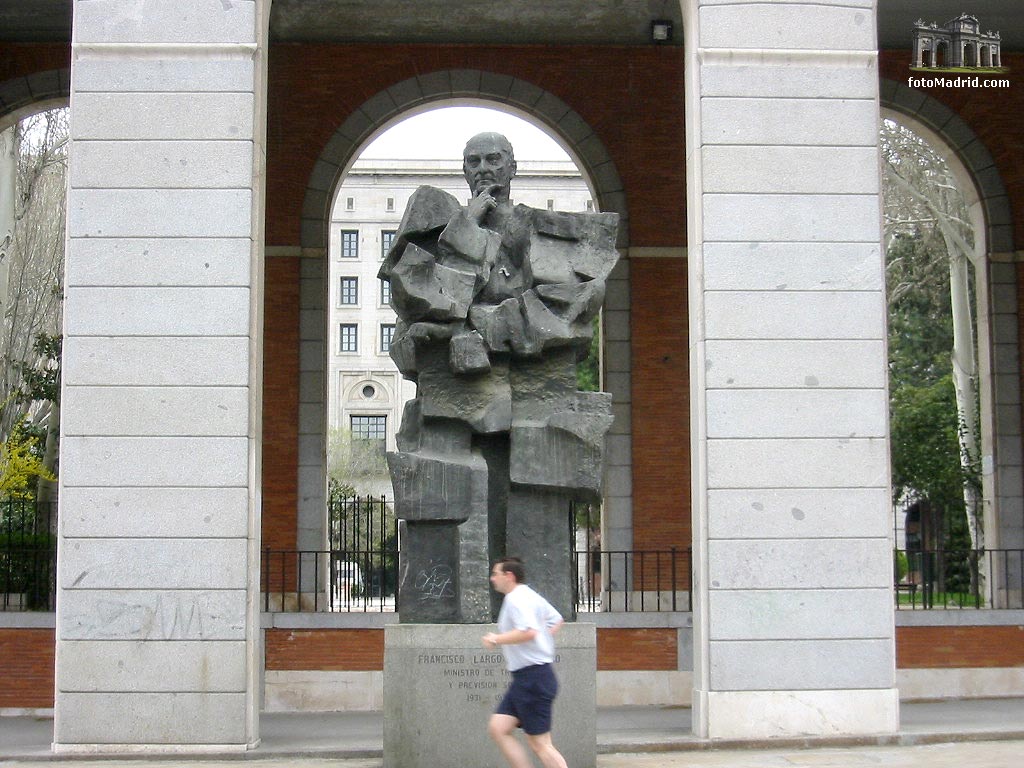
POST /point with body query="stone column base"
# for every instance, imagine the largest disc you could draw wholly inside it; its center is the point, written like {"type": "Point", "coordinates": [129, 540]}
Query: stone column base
{"type": "Point", "coordinates": [441, 687]}
{"type": "Point", "coordinates": [789, 714]}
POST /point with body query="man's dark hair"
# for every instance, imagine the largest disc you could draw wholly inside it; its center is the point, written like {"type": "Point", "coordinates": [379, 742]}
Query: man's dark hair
{"type": "Point", "coordinates": [514, 566]}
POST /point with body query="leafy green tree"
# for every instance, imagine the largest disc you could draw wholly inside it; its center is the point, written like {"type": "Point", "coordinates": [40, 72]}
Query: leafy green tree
{"type": "Point", "coordinates": [932, 344]}
{"type": "Point", "coordinates": [21, 466]}
{"type": "Point", "coordinates": [31, 278]}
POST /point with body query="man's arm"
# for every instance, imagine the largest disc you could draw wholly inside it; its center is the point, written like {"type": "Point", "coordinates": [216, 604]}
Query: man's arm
{"type": "Point", "coordinates": [512, 637]}
{"type": "Point", "coordinates": [553, 620]}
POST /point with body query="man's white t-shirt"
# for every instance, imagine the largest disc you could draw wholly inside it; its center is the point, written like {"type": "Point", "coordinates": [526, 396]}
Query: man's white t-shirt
{"type": "Point", "coordinates": [524, 609]}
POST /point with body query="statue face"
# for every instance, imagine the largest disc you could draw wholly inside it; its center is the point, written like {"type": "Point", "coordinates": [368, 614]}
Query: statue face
{"type": "Point", "coordinates": [486, 162]}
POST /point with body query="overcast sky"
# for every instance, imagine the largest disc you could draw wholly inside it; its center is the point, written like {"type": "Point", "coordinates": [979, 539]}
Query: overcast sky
{"type": "Point", "coordinates": [442, 134]}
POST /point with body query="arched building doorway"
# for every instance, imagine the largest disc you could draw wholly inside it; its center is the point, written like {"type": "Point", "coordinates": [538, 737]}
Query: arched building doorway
{"type": "Point", "coordinates": [996, 296]}
{"type": "Point", "coordinates": [524, 100]}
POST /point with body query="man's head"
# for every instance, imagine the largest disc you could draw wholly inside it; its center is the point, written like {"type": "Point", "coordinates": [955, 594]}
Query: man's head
{"type": "Point", "coordinates": [507, 574]}
{"type": "Point", "coordinates": [488, 161]}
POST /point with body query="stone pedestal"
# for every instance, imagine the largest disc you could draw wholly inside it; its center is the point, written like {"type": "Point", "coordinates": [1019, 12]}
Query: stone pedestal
{"type": "Point", "coordinates": [441, 687]}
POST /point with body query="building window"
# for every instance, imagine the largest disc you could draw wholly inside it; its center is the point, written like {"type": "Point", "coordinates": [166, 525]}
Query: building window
{"type": "Point", "coordinates": [385, 293]}
{"type": "Point", "coordinates": [372, 429]}
{"type": "Point", "coordinates": [391, 203]}
{"type": "Point", "coordinates": [387, 238]}
{"type": "Point", "coordinates": [590, 205]}
{"type": "Point", "coordinates": [350, 244]}
{"type": "Point", "coordinates": [350, 203]}
{"type": "Point", "coordinates": [349, 338]}
{"type": "Point", "coordinates": [349, 290]}
{"type": "Point", "coordinates": [551, 204]}
{"type": "Point", "coordinates": [387, 333]}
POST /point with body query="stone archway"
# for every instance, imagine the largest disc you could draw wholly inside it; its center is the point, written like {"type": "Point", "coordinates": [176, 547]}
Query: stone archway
{"type": "Point", "coordinates": [369, 120]}
{"type": "Point", "coordinates": [997, 313]}
{"type": "Point", "coordinates": [33, 93]}
{"type": "Point", "coordinates": [415, 94]}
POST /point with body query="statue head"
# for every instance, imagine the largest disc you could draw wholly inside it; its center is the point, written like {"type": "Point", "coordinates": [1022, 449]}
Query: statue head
{"type": "Point", "coordinates": [487, 161]}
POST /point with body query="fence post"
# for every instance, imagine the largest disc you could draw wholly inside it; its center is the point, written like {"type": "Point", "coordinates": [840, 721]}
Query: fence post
{"type": "Point", "coordinates": [674, 581]}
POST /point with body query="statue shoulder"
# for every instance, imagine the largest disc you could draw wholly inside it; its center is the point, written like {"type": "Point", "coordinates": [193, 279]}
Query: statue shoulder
{"type": "Point", "coordinates": [427, 213]}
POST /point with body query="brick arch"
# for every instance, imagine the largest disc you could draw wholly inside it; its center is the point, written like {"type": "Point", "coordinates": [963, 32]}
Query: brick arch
{"type": "Point", "coordinates": [998, 302]}
{"type": "Point", "coordinates": [969, 149]}
{"type": "Point", "coordinates": [23, 96]}
{"type": "Point", "coordinates": [340, 152]}
{"type": "Point", "coordinates": [412, 95]}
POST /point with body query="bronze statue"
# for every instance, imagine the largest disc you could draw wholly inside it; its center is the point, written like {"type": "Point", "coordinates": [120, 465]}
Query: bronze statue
{"type": "Point", "coordinates": [496, 304]}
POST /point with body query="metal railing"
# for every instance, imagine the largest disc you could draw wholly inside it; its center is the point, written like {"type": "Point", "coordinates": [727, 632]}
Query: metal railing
{"type": "Point", "coordinates": [358, 581]}
{"type": "Point", "coordinates": [634, 580]}
{"type": "Point", "coordinates": [28, 555]}
{"type": "Point", "coordinates": [959, 579]}
{"type": "Point", "coordinates": [327, 580]}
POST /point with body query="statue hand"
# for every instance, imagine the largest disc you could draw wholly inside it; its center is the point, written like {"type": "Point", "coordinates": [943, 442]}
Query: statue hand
{"type": "Point", "coordinates": [483, 203]}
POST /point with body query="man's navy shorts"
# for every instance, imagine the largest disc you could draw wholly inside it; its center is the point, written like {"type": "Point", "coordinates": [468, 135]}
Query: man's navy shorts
{"type": "Point", "coordinates": [529, 698]}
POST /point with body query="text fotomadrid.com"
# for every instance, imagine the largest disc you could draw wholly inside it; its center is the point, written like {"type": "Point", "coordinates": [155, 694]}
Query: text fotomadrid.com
{"type": "Point", "coordinates": [956, 82]}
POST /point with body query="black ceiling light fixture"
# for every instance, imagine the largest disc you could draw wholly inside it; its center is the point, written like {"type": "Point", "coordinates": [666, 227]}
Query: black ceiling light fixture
{"type": "Point", "coordinates": [661, 31]}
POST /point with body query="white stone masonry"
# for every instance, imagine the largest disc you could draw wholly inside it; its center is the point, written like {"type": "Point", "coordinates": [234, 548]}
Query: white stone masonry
{"type": "Point", "coordinates": [793, 597]}
{"type": "Point", "coordinates": [157, 612]}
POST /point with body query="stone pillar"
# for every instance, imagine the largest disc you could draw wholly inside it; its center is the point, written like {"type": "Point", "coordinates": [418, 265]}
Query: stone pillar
{"type": "Point", "coordinates": [793, 615]}
{"type": "Point", "coordinates": [158, 636]}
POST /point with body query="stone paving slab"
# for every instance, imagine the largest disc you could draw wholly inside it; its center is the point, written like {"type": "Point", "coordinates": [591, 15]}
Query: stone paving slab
{"type": "Point", "coordinates": [984, 754]}
{"type": "Point", "coordinates": [354, 739]}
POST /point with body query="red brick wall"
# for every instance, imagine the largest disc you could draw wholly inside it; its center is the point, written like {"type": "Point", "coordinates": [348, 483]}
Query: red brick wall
{"type": "Point", "coordinates": [959, 647]}
{"type": "Point", "coordinates": [645, 649]}
{"type": "Point", "coordinates": [660, 405]}
{"type": "Point", "coordinates": [26, 668]}
{"type": "Point", "coordinates": [360, 650]}
{"type": "Point", "coordinates": [28, 656]}
{"type": "Point", "coordinates": [363, 649]}
{"type": "Point", "coordinates": [637, 649]}
{"type": "Point", "coordinates": [21, 59]}
{"type": "Point", "coordinates": [280, 402]}
{"type": "Point", "coordinates": [632, 97]}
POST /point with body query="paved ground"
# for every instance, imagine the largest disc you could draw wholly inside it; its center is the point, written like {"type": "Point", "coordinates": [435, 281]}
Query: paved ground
{"type": "Point", "coordinates": [978, 733]}
{"type": "Point", "coordinates": [985, 754]}
{"type": "Point", "coordinates": [989, 754]}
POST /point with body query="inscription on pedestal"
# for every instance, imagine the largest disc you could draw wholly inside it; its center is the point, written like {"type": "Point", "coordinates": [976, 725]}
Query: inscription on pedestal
{"type": "Point", "coordinates": [470, 677]}
{"type": "Point", "coordinates": [441, 687]}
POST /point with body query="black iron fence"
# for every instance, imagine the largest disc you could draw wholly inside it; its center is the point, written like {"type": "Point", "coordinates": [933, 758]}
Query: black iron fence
{"type": "Point", "coordinates": [28, 555]}
{"type": "Point", "coordinates": [358, 570]}
{"type": "Point", "coordinates": [633, 580]}
{"type": "Point", "coordinates": [367, 580]}
{"type": "Point", "coordinates": [959, 579]}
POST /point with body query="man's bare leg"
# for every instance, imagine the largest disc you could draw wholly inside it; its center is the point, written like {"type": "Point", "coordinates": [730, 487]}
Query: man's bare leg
{"type": "Point", "coordinates": [542, 745]}
{"type": "Point", "coordinates": [502, 729]}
